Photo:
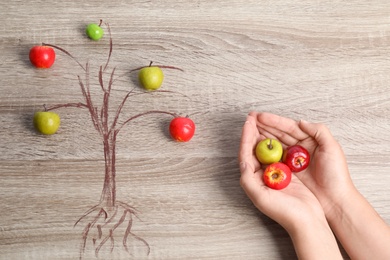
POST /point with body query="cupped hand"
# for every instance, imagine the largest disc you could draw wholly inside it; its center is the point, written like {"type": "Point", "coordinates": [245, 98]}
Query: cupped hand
{"type": "Point", "coordinates": [290, 206]}
{"type": "Point", "coordinates": [327, 176]}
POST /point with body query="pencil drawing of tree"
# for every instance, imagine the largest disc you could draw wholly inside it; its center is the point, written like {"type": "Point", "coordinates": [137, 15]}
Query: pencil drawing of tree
{"type": "Point", "coordinates": [105, 218]}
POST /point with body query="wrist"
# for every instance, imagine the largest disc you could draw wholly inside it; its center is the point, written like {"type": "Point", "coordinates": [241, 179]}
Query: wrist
{"type": "Point", "coordinates": [359, 228]}
{"type": "Point", "coordinates": [314, 239]}
{"type": "Point", "coordinates": [337, 208]}
{"type": "Point", "coordinates": [336, 198]}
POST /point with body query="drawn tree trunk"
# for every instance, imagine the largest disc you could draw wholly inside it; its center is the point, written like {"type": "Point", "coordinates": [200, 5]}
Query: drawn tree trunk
{"type": "Point", "coordinates": [108, 194]}
{"type": "Point", "coordinates": [103, 219]}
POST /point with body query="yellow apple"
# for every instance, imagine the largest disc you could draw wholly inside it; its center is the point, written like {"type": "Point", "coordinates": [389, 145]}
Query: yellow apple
{"type": "Point", "coordinates": [269, 151]}
{"type": "Point", "coordinates": [151, 77]}
{"type": "Point", "coordinates": [46, 122]}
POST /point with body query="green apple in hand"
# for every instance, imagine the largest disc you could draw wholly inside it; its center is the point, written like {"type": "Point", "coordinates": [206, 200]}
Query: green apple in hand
{"type": "Point", "coordinates": [151, 77]}
{"type": "Point", "coordinates": [269, 151]}
{"type": "Point", "coordinates": [46, 122]}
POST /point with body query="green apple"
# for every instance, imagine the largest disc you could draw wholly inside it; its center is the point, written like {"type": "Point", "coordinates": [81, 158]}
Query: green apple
{"type": "Point", "coordinates": [94, 31]}
{"type": "Point", "coordinates": [46, 122]}
{"type": "Point", "coordinates": [151, 77]}
{"type": "Point", "coordinates": [269, 151]}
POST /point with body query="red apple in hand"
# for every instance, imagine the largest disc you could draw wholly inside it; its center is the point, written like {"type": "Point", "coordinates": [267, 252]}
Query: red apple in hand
{"type": "Point", "coordinates": [296, 157]}
{"type": "Point", "coordinates": [42, 56]}
{"type": "Point", "coordinates": [277, 176]}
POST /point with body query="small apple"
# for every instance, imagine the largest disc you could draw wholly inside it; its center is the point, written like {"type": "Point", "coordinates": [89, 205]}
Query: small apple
{"type": "Point", "coordinates": [277, 176]}
{"type": "Point", "coordinates": [269, 151]}
{"type": "Point", "coordinates": [296, 157]}
{"type": "Point", "coordinates": [46, 122]}
{"type": "Point", "coordinates": [94, 31]}
{"type": "Point", "coordinates": [151, 77]}
{"type": "Point", "coordinates": [42, 56]}
{"type": "Point", "coordinates": [182, 129]}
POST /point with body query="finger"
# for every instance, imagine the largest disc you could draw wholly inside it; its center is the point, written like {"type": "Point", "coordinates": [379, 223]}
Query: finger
{"type": "Point", "coordinates": [263, 197]}
{"type": "Point", "coordinates": [284, 128]}
{"type": "Point", "coordinates": [318, 132]}
{"type": "Point", "coordinates": [249, 139]}
{"type": "Point", "coordinates": [284, 138]}
{"type": "Point", "coordinates": [250, 181]}
{"type": "Point", "coordinates": [273, 133]}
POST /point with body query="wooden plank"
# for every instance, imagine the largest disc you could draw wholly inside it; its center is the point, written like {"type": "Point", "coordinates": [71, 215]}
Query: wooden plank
{"type": "Point", "coordinates": [313, 60]}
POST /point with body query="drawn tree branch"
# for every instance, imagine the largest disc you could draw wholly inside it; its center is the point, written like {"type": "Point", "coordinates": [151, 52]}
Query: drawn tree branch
{"type": "Point", "coordinates": [109, 213]}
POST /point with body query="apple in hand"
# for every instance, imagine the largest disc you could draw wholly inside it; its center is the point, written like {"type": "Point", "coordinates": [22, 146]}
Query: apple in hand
{"type": "Point", "coordinates": [151, 77]}
{"type": "Point", "coordinates": [269, 151]}
{"type": "Point", "coordinates": [296, 157]}
{"type": "Point", "coordinates": [94, 31]}
{"type": "Point", "coordinates": [182, 129]}
{"type": "Point", "coordinates": [46, 122]}
{"type": "Point", "coordinates": [42, 56]}
{"type": "Point", "coordinates": [277, 176]}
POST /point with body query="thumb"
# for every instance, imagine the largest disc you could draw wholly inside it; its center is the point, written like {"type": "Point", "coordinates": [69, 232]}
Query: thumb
{"type": "Point", "coordinates": [318, 132]}
{"type": "Point", "coordinates": [250, 181]}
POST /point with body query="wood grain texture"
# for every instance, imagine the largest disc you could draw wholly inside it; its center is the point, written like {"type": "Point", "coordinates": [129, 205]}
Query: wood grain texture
{"type": "Point", "coordinates": [324, 61]}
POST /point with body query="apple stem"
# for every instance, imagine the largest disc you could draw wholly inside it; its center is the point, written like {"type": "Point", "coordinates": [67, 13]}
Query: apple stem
{"type": "Point", "coordinates": [300, 163]}
{"type": "Point", "coordinates": [150, 64]}
{"type": "Point", "coordinates": [270, 146]}
{"type": "Point", "coordinates": [100, 23]}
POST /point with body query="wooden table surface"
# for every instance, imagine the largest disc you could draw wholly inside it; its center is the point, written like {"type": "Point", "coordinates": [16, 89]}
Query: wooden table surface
{"type": "Point", "coordinates": [323, 61]}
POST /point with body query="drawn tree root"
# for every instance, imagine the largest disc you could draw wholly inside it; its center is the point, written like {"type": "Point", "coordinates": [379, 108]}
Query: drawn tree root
{"type": "Point", "coordinates": [107, 219]}
{"type": "Point", "coordinates": [104, 221]}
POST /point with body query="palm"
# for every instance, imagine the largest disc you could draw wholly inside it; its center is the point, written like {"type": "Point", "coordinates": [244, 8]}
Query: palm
{"type": "Point", "coordinates": [287, 206]}
{"type": "Point", "coordinates": [317, 177]}
{"type": "Point", "coordinates": [327, 173]}
{"type": "Point", "coordinates": [291, 205]}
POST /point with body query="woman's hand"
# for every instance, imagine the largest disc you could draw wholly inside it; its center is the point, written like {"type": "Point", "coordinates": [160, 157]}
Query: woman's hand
{"type": "Point", "coordinates": [294, 207]}
{"type": "Point", "coordinates": [291, 206]}
{"type": "Point", "coordinates": [327, 176]}
{"type": "Point", "coordinates": [325, 187]}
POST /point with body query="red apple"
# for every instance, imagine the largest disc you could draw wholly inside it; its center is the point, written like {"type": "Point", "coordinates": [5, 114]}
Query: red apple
{"type": "Point", "coordinates": [42, 56]}
{"type": "Point", "coordinates": [182, 129]}
{"type": "Point", "coordinates": [277, 176]}
{"type": "Point", "coordinates": [296, 157]}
